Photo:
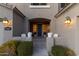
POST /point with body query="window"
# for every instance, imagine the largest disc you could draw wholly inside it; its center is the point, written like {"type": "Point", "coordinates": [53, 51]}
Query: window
{"type": "Point", "coordinates": [62, 5]}
{"type": "Point", "coordinates": [39, 5]}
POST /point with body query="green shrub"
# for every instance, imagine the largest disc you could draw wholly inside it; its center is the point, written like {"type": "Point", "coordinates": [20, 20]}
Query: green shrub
{"type": "Point", "coordinates": [25, 48]}
{"type": "Point", "coordinates": [58, 50]}
{"type": "Point", "coordinates": [62, 51]}
{"type": "Point", "coordinates": [9, 47]}
{"type": "Point", "coordinates": [16, 47]}
{"type": "Point", "coordinates": [69, 52]}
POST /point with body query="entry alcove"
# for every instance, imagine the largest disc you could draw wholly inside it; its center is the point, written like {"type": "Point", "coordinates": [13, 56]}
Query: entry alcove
{"type": "Point", "coordinates": [39, 25]}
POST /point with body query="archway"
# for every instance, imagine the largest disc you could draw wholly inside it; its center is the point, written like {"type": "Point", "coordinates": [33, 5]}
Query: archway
{"type": "Point", "coordinates": [39, 26]}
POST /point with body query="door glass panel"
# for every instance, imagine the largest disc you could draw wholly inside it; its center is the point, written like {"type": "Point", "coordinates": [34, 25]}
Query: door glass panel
{"type": "Point", "coordinates": [34, 27]}
{"type": "Point", "coordinates": [44, 27]}
{"type": "Point", "coordinates": [39, 29]}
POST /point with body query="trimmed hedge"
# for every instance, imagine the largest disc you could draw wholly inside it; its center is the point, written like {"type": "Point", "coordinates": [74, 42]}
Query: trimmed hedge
{"type": "Point", "coordinates": [62, 51]}
{"type": "Point", "coordinates": [9, 47]}
{"type": "Point", "coordinates": [25, 48]}
{"type": "Point", "coordinates": [13, 47]}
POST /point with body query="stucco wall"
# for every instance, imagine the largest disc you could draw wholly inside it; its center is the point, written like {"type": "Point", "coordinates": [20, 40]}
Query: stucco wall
{"type": "Point", "coordinates": [20, 6]}
{"type": "Point", "coordinates": [42, 13]}
{"type": "Point", "coordinates": [5, 12]}
{"type": "Point", "coordinates": [1, 33]}
{"type": "Point", "coordinates": [68, 35]}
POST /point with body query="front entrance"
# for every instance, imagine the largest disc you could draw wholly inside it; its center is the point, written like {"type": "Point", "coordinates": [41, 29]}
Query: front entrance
{"type": "Point", "coordinates": [39, 30]}
{"type": "Point", "coordinates": [39, 26]}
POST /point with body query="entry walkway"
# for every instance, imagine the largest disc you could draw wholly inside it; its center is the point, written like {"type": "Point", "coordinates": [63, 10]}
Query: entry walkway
{"type": "Point", "coordinates": [39, 45]}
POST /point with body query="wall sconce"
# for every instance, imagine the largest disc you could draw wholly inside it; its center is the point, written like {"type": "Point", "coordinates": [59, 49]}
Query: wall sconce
{"type": "Point", "coordinates": [5, 21]}
{"type": "Point", "coordinates": [68, 20]}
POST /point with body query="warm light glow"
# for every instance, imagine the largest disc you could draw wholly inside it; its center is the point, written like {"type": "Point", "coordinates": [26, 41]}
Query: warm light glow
{"type": "Point", "coordinates": [45, 27]}
{"type": "Point", "coordinates": [5, 21]}
{"type": "Point", "coordinates": [67, 22]}
{"type": "Point", "coordinates": [34, 27]}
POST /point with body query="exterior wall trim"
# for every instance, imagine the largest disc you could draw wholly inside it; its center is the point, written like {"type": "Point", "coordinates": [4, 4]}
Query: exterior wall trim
{"type": "Point", "coordinates": [7, 6]}
{"type": "Point", "coordinates": [63, 10]}
{"type": "Point", "coordinates": [18, 12]}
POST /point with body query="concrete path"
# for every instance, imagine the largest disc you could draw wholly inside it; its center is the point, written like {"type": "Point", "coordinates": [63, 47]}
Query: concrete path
{"type": "Point", "coordinates": [39, 45]}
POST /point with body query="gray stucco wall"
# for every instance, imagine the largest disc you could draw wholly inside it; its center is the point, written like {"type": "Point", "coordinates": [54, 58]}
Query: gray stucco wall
{"type": "Point", "coordinates": [5, 12]}
{"type": "Point", "coordinates": [69, 34]}
{"type": "Point", "coordinates": [42, 13]}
